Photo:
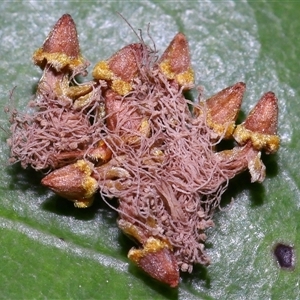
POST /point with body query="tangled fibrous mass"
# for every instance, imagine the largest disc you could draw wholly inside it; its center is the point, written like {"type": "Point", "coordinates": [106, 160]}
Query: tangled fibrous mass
{"type": "Point", "coordinates": [131, 134]}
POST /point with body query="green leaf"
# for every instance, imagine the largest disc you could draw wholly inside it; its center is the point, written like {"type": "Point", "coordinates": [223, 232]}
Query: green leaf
{"type": "Point", "coordinates": [49, 249]}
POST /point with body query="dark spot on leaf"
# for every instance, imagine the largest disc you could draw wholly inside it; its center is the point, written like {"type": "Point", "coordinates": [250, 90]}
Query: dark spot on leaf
{"type": "Point", "coordinates": [285, 256]}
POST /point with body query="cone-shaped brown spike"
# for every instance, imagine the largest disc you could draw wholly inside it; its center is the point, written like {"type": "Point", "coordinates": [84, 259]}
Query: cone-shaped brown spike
{"type": "Point", "coordinates": [162, 266]}
{"type": "Point", "coordinates": [63, 38]}
{"type": "Point", "coordinates": [225, 105]}
{"type": "Point", "coordinates": [125, 63]}
{"type": "Point", "coordinates": [157, 260]}
{"type": "Point", "coordinates": [73, 182]}
{"type": "Point", "coordinates": [261, 125]}
{"type": "Point", "coordinates": [61, 47]}
{"type": "Point", "coordinates": [264, 116]}
{"type": "Point", "coordinates": [175, 62]}
{"type": "Point", "coordinates": [223, 109]}
{"type": "Point", "coordinates": [121, 68]}
{"type": "Point", "coordinates": [177, 53]}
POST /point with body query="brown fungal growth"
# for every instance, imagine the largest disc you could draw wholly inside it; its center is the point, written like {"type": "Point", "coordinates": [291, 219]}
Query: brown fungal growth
{"type": "Point", "coordinates": [222, 121]}
{"type": "Point", "coordinates": [175, 63]}
{"type": "Point", "coordinates": [157, 259]}
{"type": "Point", "coordinates": [59, 131]}
{"type": "Point", "coordinates": [261, 125]}
{"type": "Point", "coordinates": [61, 47]}
{"type": "Point", "coordinates": [121, 68]}
{"type": "Point", "coordinates": [130, 134]}
{"type": "Point", "coordinates": [80, 187]}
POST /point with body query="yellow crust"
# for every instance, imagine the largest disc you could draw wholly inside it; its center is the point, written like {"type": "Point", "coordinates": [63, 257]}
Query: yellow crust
{"type": "Point", "coordinates": [184, 79]}
{"type": "Point", "coordinates": [102, 71]}
{"type": "Point", "coordinates": [152, 245]}
{"type": "Point", "coordinates": [89, 184]}
{"type": "Point", "coordinates": [225, 130]}
{"type": "Point", "coordinates": [57, 60]}
{"type": "Point", "coordinates": [145, 127]}
{"type": "Point", "coordinates": [83, 166]}
{"type": "Point", "coordinates": [121, 87]}
{"type": "Point", "coordinates": [166, 69]}
{"type": "Point", "coordinates": [260, 141]}
{"type": "Point", "coordinates": [85, 203]}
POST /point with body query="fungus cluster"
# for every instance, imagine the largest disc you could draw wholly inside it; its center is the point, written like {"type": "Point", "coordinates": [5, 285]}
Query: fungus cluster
{"type": "Point", "coordinates": [130, 133]}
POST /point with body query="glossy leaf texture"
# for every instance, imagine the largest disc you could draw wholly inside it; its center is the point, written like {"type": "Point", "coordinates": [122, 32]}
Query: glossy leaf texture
{"type": "Point", "coordinates": [49, 249]}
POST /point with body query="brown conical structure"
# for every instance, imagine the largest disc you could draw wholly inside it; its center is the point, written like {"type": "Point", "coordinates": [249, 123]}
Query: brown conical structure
{"type": "Point", "coordinates": [178, 54]}
{"type": "Point", "coordinates": [63, 38]}
{"type": "Point", "coordinates": [161, 265]}
{"type": "Point", "coordinates": [126, 62]}
{"type": "Point", "coordinates": [121, 68]}
{"type": "Point", "coordinates": [260, 127]}
{"type": "Point", "coordinates": [61, 47]}
{"type": "Point", "coordinates": [264, 116]}
{"type": "Point", "coordinates": [175, 62]}
{"type": "Point", "coordinates": [157, 260]}
{"type": "Point", "coordinates": [225, 105]}
{"type": "Point", "coordinates": [73, 182]}
{"type": "Point", "coordinates": [222, 109]}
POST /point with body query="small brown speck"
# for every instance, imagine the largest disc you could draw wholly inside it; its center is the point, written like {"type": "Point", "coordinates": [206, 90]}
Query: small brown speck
{"type": "Point", "coordinates": [285, 256]}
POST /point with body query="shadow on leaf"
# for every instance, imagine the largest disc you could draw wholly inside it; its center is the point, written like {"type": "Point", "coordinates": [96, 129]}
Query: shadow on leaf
{"type": "Point", "coordinates": [61, 206]}
{"type": "Point", "coordinates": [25, 179]}
{"type": "Point", "coordinates": [242, 183]}
{"type": "Point", "coordinates": [200, 273]}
